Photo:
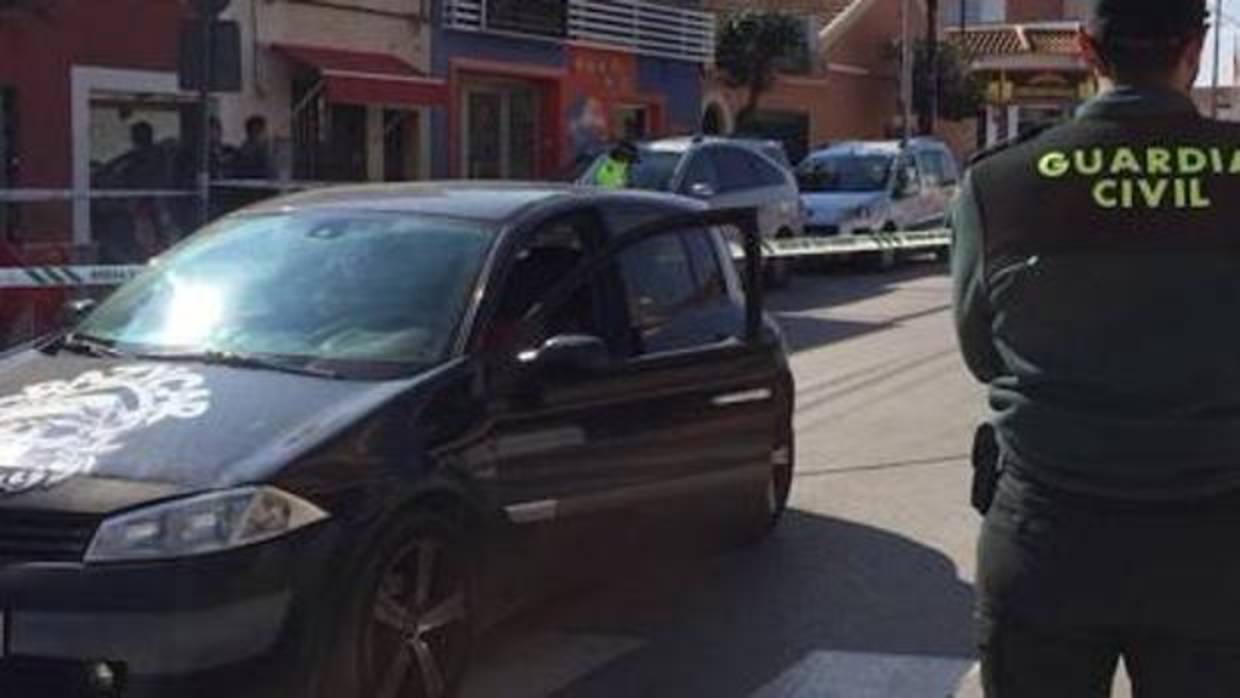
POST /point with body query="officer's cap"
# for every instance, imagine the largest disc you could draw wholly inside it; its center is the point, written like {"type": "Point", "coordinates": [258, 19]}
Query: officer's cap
{"type": "Point", "coordinates": [1145, 20]}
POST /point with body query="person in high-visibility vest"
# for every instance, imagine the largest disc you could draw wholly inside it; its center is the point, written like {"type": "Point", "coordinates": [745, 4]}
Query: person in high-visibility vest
{"type": "Point", "coordinates": [613, 173]}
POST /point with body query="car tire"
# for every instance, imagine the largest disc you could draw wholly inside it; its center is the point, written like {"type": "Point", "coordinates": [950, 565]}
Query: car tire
{"type": "Point", "coordinates": [764, 510]}
{"type": "Point", "coordinates": [408, 627]}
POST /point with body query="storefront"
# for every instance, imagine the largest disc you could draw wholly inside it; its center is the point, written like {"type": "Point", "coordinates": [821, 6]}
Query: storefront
{"type": "Point", "coordinates": [344, 88]}
{"type": "Point", "coordinates": [536, 86]}
{"type": "Point", "coordinates": [1033, 74]}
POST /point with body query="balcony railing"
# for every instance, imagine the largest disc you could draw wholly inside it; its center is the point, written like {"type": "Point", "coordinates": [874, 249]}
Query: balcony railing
{"type": "Point", "coordinates": [644, 27]}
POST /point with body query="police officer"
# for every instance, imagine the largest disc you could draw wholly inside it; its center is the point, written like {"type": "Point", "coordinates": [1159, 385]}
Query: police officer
{"type": "Point", "coordinates": [613, 173]}
{"type": "Point", "coordinates": [1097, 289]}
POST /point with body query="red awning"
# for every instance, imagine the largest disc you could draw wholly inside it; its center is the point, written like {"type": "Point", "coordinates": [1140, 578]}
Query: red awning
{"type": "Point", "coordinates": [361, 77]}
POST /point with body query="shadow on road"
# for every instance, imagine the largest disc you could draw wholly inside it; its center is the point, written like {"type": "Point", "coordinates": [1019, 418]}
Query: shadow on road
{"type": "Point", "coordinates": [820, 292]}
{"type": "Point", "coordinates": [759, 620]}
{"type": "Point", "coordinates": [811, 291]}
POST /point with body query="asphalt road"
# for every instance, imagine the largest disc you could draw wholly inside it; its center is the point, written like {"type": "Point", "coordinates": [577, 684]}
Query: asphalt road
{"type": "Point", "coordinates": [865, 591]}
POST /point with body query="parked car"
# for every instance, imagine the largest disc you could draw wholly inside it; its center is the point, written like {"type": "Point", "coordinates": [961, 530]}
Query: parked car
{"type": "Point", "coordinates": [291, 458]}
{"type": "Point", "coordinates": [724, 173]}
{"type": "Point", "coordinates": [861, 187]}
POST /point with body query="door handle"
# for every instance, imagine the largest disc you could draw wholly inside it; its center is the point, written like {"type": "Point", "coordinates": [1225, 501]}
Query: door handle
{"type": "Point", "coordinates": [742, 397]}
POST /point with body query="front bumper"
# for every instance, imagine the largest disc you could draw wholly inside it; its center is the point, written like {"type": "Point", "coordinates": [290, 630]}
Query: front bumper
{"type": "Point", "coordinates": [241, 621]}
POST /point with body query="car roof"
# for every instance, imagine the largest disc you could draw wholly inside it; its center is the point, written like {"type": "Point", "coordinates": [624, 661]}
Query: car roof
{"type": "Point", "coordinates": [482, 201]}
{"type": "Point", "coordinates": [888, 147]}
{"type": "Point", "coordinates": [680, 144]}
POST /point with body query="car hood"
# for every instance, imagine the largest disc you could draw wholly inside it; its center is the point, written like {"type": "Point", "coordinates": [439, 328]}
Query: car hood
{"type": "Point", "coordinates": [92, 434]}
{"type": "Point", "coordinates": [829, 208]}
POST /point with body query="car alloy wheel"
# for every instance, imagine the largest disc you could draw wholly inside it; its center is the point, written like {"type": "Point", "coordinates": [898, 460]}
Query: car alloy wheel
{"type": "Point", "coordinates": [418, 635]}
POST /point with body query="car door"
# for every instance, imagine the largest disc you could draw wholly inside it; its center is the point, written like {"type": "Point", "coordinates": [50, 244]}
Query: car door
{"type": "Point", "coordinates": [708, 387]}
{"type": "Point", "coordinates": [739, 187]}
{"type": "Point", "coordinates": [683, 403]}
{"type": "Point", "coordinates": [908, 195]}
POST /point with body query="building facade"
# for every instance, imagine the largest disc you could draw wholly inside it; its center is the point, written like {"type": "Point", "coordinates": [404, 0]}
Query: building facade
{"type": "Point", "coordinates": [74, 78]}
{"type": "Point", "coordinates": [1033, 74]}
{"type": "Point", "coordinates": [849, 86]}
{"type": "Point", "coordinates": [974, 11]}
{"type": "Point", "coordinates": [534, 85]}
{"type": "Point", "coordinates": [344, 86]}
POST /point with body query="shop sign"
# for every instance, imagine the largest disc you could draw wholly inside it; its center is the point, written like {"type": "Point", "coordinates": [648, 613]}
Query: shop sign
{"type": "Point", "coordinates": [1039, 87]}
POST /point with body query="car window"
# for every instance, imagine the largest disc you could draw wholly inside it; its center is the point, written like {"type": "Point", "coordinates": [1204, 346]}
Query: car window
{"type": "Point", "coordinates": [928, 165]}
{"type": "Point", "coordinates": [550, 254]}
{"type": "Point", "coordinates": [676, 294]}
{"type": "Point", "coordinates": [845, 173]}
{"type": "Point", "coordinates": [707, 270]}
{"type": "Point", "coordinates": [736, 173]}
{"type": "Point", "coordinates": [947, 169]}
{"type": "Point", "coordinates": [701, 170]}
{"type": "Point", "coordinates": [765, 173]}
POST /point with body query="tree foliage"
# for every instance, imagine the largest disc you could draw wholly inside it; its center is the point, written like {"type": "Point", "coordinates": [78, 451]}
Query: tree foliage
{"type": "Point", "coordinates": [752, 46]}
{"type": "Point", "coordinates": [961, 93]}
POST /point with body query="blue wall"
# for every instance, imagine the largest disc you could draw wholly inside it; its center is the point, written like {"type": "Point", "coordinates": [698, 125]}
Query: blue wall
{"type": "Point", "coordinates": [681, 83]}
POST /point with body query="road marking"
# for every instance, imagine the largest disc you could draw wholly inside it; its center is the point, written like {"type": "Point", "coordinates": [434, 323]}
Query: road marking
{"type": "Point", "coordinates": [827, 674]}
{"type": "Point", "coordinates": [539, 665]}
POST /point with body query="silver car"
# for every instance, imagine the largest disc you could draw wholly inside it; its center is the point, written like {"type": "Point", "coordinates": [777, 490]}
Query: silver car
{"type": "Point", "coordinates": [724, 173]}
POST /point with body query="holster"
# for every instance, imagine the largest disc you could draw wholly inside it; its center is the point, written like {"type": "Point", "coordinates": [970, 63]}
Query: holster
{"type": "Point", "coordinates": [986, 468]}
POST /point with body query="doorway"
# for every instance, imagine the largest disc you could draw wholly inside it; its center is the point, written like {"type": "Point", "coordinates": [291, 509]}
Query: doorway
{"type": "Point", "coordinates": [500, 130]}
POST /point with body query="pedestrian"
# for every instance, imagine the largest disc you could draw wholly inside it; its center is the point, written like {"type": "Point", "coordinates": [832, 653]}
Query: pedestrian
{"type": "Point", "coordinates": [253, 159]}
{"type": "Point", "coordinates": [613, 172]}
{"type": "Point", "coordinates": [1097, 282]}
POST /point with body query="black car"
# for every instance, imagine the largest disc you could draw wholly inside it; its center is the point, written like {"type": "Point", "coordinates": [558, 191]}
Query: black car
{"type": "Point", "coordinates": [289, 458]}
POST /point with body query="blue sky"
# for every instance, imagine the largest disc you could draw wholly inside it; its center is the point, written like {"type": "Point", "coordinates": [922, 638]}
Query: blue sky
{"type": "Point", "coordinates": [1230, 37]}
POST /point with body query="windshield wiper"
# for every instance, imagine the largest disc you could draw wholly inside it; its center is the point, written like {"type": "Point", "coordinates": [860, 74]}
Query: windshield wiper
{"type": "Point", "coordinates": [234, 359]}
{"type": "Point", "coordinates": [89, 346]}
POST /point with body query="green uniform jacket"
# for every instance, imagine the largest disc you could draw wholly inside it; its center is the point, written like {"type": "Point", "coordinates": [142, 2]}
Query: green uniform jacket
{"type": "Point", "coordinates": [1096, 269]}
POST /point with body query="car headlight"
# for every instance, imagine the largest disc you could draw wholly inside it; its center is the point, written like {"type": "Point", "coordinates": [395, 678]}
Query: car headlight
{"type": "Point", "coordinates": [202, 524]}
{"type": "Point", "coordinates": [862, 212]}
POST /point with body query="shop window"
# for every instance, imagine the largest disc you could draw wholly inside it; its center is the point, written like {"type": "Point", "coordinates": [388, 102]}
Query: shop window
{"type": "Point", "coordinates": [145, 144]}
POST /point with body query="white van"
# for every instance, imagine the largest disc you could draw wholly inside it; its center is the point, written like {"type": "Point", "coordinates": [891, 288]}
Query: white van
{"type": "Point", "coordinates": [861, 187]}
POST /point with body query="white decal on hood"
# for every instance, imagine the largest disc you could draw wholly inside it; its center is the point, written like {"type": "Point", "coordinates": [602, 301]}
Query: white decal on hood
{"type": "Point", "coordinates": [53, 431]}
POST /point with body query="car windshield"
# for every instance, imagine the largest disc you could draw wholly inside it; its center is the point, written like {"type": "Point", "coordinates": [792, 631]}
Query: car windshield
{"type": "Point", "coordinates": [346, 288]}
{"type": "Point", "coordinates": [845, 173]}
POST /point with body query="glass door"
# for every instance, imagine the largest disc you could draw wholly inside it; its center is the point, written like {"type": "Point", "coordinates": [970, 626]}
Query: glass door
{"type": "Point", "coordinates": [484, 134]}
{"type": "Point", "coordinates": [523, 133]}
{"type": "Point", "coordinates": [500, 132]}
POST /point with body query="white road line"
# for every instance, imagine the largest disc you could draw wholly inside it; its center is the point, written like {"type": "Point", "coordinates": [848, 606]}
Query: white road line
{"type": "Point", "coordinates": [538, 665]}
{"type": "Point", "coordinates": [825, 674]}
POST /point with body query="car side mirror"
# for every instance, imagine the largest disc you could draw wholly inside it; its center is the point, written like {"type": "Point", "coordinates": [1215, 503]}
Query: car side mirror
{"type": "Point", "coordinates": [73, 311]}
{"type": "Point", "coordinates": [701, 190]}
{"type": "Point", "coordinates": [568, 353]}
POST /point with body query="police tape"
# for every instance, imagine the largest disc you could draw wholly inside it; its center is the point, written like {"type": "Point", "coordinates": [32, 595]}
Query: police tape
{"type": "Point", "coordinates": [67, 276]}
{"type": "Point", "coordinates": [115, 275]}
{"type": "Point", "coordinates": [920, 240]}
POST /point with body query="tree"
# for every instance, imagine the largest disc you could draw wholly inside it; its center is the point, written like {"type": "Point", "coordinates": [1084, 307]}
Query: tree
{"type": "Point", "coordinates": [751, 47]}
{"type": "Point", "coordinates": [960, 93]}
